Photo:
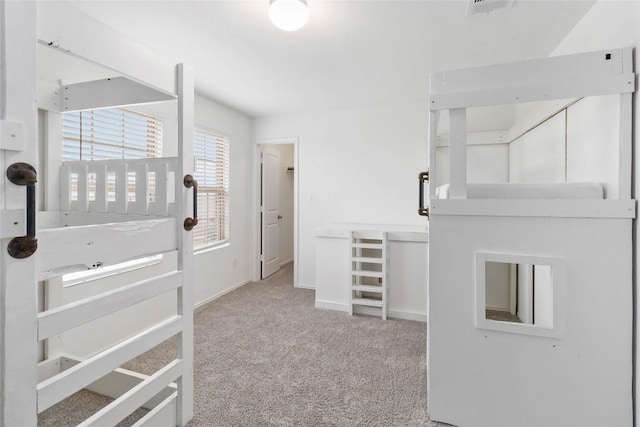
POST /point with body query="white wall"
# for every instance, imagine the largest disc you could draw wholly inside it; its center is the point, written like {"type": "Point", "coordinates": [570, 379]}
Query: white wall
{"type": "Point", "coordinates": [354, 166]}
{"type": "Point", "coordinates": [539, 155]}
{"type": "Point", "coordinates": [222, 268]}
{"type": "Point", "coordinates": [497, 285]}
{"type": "Point", "coordinates": [593, 152]}
{"type": "Point", "coordinates": [578, 144]}
{"type": "Point", "coordinates": [611, 24]}
{"type": "Point", "coordinates": [487, 163]}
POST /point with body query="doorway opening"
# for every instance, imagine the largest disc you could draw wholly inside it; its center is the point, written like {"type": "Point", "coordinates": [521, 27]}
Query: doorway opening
{"type": "Point", "coordinates": [276, 237]}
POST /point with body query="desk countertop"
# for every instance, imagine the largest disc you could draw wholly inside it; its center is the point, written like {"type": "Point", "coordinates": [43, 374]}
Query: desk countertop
{"type": "Point", "coordinates": [396, 232]}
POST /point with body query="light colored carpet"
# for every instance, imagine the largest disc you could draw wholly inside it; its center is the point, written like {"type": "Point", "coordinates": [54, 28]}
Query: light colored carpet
{"type": "Point", "coordinates": [264, 356]}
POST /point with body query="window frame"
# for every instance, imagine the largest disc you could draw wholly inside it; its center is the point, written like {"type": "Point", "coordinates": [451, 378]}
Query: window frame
{"type": "Point", "coordinates": [203, 245]}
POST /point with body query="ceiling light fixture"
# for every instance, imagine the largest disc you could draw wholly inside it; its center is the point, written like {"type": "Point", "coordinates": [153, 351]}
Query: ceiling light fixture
{"type": "Point", "coordinates": [288, 15]}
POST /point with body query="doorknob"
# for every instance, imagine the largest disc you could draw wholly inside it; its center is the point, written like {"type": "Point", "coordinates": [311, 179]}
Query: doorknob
{"type": "Point", "coordinates": [279, 216]}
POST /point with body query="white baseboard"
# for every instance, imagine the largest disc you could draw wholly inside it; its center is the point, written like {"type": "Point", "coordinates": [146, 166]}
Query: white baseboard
{"type": "Point", "coordinates": [332, 305]}
{"type": "Point", "coordinates": [302, 286]}
{"type": "Point", "coordinates": [395, 314]}
{"type": "Point", "coordinates": [283, 263]}
{"type": "Point", "coordinates": [407, 315]}
{"type": "Point", "coordinates": [218, 295]}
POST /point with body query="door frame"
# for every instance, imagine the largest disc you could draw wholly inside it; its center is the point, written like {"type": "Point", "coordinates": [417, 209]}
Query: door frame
{"type": "Point", "coordinates": [256, 234]}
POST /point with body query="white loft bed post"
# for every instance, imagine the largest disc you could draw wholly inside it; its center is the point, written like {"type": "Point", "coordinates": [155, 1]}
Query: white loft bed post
{"type": "Point", "coordinates": [458, 153]}
{"type": "Point", "coordinates": [434, 116]}
{"type": "Point", "coordinates": [18, 339]}
{"type": "Point", "coordinates": [53, 160]}
{"type": "Point", "coordinates": [626, 132]}
{"type": "Point", "coordinates": [184, 201]}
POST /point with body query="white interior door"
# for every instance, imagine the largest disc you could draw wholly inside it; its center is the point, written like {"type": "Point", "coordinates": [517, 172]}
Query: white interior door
{"type": "Point", "coordinates": [270, 214]}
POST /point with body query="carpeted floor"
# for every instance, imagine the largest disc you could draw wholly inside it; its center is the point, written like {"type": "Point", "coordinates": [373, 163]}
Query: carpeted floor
{"type": "Point", "coordinates": [265, 356]}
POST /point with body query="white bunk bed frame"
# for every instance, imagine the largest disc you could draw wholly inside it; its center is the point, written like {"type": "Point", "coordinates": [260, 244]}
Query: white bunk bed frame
{"type": "Point", "coordinates": [507, 375]}
{"type": "Point", "coordinates": [91, 233]}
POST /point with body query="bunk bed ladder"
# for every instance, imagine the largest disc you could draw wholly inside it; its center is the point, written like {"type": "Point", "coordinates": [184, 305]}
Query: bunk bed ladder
{"type": "Point", "coordinates": [368, 265]}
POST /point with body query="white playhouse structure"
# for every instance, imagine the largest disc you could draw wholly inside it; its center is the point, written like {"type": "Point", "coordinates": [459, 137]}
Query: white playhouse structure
{"type": "Point", "coordinates": [556, 250]}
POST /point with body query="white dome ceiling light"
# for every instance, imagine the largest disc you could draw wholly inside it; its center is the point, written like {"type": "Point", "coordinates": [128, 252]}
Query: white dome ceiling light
{"type": "Point", "coordinates": [288, 15]}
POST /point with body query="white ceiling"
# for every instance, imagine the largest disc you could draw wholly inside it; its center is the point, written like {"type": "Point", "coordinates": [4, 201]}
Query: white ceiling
{"type": "Point", "coordinates": [350, 54]}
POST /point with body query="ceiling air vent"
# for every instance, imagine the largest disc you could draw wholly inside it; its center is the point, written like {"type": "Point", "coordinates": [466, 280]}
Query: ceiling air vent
{"type": "Point", "coordinates": [486, 6]}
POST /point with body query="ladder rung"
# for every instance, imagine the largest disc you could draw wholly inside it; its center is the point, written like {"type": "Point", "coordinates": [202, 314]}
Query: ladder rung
{"type": "Point", "coordinates": [367, 288]}
{"type": "Point", "coordinates": [367, 245]}
{"type": "Point", "coordinates": [366, 301]}
{"type": "Point", "coordinates": [364, 273]}
{"type": "Point", "coordinates": [369, 260]}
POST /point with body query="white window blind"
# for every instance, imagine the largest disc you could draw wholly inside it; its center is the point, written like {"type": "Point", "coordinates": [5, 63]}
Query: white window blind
{"type": "Point", "coordinates": [111, 133]}
{"type": "Point", "coordinates": [211, 154]}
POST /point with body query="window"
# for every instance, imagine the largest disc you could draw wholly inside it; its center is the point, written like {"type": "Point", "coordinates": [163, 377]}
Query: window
{"type": "Point", "coordinates": [111, 133]}
{"type": "Point", "coordinates": [519, 293]}
{"type": "Point", "coordinates": [211, 155]}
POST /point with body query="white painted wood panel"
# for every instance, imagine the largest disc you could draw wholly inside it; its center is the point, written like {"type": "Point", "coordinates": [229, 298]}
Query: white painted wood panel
{"type": "Point", "coordinates": [163, 415]}
{"type": "Point", "coordinates": [66, 29]}
{"type": "Point", "coordinates": [120, 381]}
{"type": "Point", "coordinates": [568, 208]}
{"type": "Point", "coordinates": [89, 246]}
{"type": "Point", "coordinates": [142, 189]}
{"type": "Point", "coordinates": [110, 92]}
{"type": "Point", "coordinates": [499, 363]}
{"type": "Point", "coordinates": [570, 76]}
{"type": "Point", "coordinates": [558, 68]}
{"type": "Point", "coordinates": [184, 209]}
{"type": "Point", "coordinates": [55, 389]}
{"type": "Point", "coordinates": [569, 88]}
{"type": "Point", "coordinates": [458, 156]}
{"type": "Point", "coordinates": [18, 346]}
{"type": "Point", "coordinates": [120, 408]}
{"type": "Point", "coordinates": [60, 319]}
{"type": "Point", "coordinates": [525, 293]}
{"type": "Point", "coordinates": [12, 223]}
{"type": "Point", "coordinates": [543, 296]}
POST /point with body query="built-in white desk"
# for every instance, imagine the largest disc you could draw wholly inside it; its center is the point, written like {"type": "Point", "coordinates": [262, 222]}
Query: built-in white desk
{"type": "Point", "coordinates": [407, 264]}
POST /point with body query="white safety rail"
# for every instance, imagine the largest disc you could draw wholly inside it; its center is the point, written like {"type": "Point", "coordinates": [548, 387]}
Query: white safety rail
{"type": "Point", "coordinates": [138, 186]}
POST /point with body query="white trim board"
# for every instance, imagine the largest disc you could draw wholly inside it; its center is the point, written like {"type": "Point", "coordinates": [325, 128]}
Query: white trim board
{"type": "Point", "coordinates": [256, 235]}
{"type": "Point", "coordinates": [283, 263]}
{"type": "Point", "coordinates": [303, 286]}
{"type": "Point", "coordinates": [395, 314]}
